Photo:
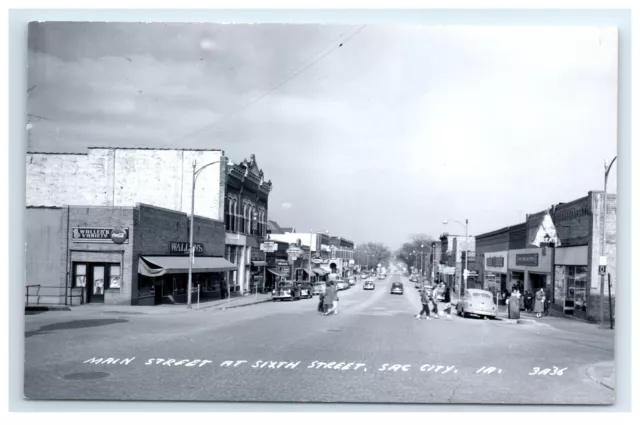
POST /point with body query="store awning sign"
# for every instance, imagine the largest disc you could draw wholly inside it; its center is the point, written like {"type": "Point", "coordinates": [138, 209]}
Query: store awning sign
{"type": "Point", "coordinates": [100, 235]}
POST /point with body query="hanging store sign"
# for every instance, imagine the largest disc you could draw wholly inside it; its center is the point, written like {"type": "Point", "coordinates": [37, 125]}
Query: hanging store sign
{"type": "Point", "coordinates": [527, 260]}
{"type": "Point", "coordinates": [258, 256]}
{"type": "Point", "coordinates": [182, 248]}
{"type": "Point", "coordinates": [100, 235]}
{"type": "Point", "coordinates": [268, 247]}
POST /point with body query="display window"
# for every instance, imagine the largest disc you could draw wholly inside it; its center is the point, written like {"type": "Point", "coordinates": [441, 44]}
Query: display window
{"type": "Point", "coordinates": [576, 278]}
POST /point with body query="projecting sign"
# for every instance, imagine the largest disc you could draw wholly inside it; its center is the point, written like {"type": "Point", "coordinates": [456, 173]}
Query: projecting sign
{"type": "Point", "coordinates": [268, 247]}
{"type": "Point", "coordinates": [603, 260]}
{"type": "Point", "coordinates": [602, 270]}
{"type": "Point", "coordinates": [100, 235]}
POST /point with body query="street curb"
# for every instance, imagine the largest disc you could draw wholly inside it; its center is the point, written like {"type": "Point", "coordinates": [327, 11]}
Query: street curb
{"type": "Point", "coordinates": [237, 306]}
{"type": "Point", "coordinates": [46, 308]}
{"type": "Point", "coordinates": [591, 375]}
{"type": "Point", "coordinates": [526, 322]}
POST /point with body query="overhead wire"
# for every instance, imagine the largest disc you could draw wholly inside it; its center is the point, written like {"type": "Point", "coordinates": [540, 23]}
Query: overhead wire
{"type": "Point", "coordinates": [279, 85]}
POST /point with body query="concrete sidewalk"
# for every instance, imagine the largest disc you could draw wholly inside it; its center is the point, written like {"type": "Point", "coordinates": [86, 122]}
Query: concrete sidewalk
{"type": "Point", "coordinates": [603, 373]}
{"type": "Point", "coordinates": [234, 302]}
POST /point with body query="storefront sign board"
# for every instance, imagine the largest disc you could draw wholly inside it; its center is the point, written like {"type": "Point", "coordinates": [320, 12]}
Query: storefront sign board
{"type": "Point", "coordinates": [182, 248]}
{"type": "Point", "coordinates": [268, 247]}
{"type": "Point", "coordinates": [530, 260]}
{"type": "Point", "coordinates": [100, 235]}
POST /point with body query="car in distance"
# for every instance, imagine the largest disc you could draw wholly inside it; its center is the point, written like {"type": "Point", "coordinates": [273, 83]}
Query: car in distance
{"type": "Point", "coordinates": [306, 290]}
{"type": "Point", "coordinates": [286, 291]}
{"type": "Point", "coordinates": [341, 285]}
{"type": "Point", "coordinates": [477, 302]}
{"type": "Point", "coordinates": [363, 276]}
{"type": "Point", "coordinates": [369, 285]}
{"type": "Point", "coordinates": [397, 288]}
{"type": "Point", "coordinates": [352, 281]}
{"type": "Point", "coordinates": [319, 288]}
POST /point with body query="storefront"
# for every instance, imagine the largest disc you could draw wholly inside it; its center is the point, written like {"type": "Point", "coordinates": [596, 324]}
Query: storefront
{"type": "Point", "coordinates": [571, 279]}
{"type": "Point", "coordinates": [530, 269]}
{"type": "Point", "coordinates": [140, 256]}
{"type": "Point", "coordinates": [495, 271]}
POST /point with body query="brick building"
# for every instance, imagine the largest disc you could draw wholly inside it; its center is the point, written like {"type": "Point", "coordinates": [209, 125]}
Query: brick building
{"type": "Point", "coordinates": [121, 255]}
{"type": "Point", "coordinates": [454, 249]}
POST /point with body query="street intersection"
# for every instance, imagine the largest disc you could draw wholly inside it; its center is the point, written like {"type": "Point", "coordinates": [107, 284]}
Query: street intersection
{"type": "Point", "coordinates": [374, 350]}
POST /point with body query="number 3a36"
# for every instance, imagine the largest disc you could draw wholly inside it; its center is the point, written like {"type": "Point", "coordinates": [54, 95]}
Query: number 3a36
{"type": "Point", "coordinates": [555, 372]}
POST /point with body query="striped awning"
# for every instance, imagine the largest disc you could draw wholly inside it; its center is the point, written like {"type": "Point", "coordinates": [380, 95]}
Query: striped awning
{"type": "Point", "coordinates": [319, 271]}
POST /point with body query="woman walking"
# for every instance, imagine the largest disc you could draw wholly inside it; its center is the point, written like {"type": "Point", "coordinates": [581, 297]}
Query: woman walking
{"type": "Point", "coordinates": [538, 308]}
{"type": "Point", "coordinates": [329, 299]}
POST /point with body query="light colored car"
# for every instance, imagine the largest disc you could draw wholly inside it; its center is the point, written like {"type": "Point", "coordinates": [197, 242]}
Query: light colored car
{"type": "Point", "coordinates": [319, 289]}
{"type": "Point", "coordinates": [286, 291]}
{"type": "Point", "coordinates": [363, 276]}
{"type": "Point", "coordinates": [341, 285]}
{"type": "Point", "coordinates": [369, 285]}
{"type": "Point", "coordinates": [352, 281]}
{"type": "Point", "coordinates": [477, 302]}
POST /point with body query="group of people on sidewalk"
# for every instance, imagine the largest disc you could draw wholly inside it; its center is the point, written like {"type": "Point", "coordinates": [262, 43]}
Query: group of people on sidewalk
{"type": "Point", "coordinates": [329, 300]}
{"type": "Point", "coordinates": [430, 296]}
{"type": "Point", "coordinates": [528, 302]}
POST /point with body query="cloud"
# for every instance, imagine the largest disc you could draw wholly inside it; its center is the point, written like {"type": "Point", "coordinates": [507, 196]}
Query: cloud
{"type": "Point", "coordinates": [286, 205]}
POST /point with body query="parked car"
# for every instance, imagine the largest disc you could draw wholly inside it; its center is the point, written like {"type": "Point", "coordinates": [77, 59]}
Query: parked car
{"type": "Point", "coordinates": [341, 285]}
{"type": "Point", "coordinates": [363, 276]}
{"type": "Point", "coordinates": [319, 288]}
{"type": "Point", "coordinates": [369, 285]}
{"type": "Point", "coordinates": [397, 288]}
{"type": "Point", "coordinates": [352, 281]}
{"type": "Point", "coordinates": [286, 291]}
{"type": "Point", "coordinates": [477, 302]}
{"type": "Point", "coordinates": [306, 290]}
{"type": "Point", "coordinates": [381, 277]}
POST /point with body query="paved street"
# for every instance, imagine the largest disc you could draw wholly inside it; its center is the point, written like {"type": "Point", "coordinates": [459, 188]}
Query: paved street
{"type": "Point", "coordinates": [374, 350]}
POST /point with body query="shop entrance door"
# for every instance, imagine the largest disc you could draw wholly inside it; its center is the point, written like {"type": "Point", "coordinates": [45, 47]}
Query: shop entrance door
{"type": "Point", "coordinates": [538, 281]}
{"type": "Point", "coordinates": [95, 284]}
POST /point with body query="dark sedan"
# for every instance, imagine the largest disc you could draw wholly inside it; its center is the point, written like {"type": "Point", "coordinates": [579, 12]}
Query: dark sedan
{"type": "Point", "coordinates": [397, 288]}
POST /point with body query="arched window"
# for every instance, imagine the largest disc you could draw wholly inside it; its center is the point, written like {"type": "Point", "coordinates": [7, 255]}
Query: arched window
{"type": "Point", "coordinates": [227, 214]}
{"type": "Point", "coordinates": [243, 219]}
{"type": "Point", "coordinates": [233, 213]}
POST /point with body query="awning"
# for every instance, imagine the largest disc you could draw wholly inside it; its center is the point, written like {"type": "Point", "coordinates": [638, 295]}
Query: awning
{"type": "Point", "coordinates": [159, 266]}
{"type": "Point", "coordinates": [306, 271]}
{"type": "Point", "coordinates": [278, 273]}
{"type": "Point", "coordinates": [259, 263]}
{"type": "Point", "coordinates": [319, 271]}
{"type": "Point", "coordinates": [449, 270]}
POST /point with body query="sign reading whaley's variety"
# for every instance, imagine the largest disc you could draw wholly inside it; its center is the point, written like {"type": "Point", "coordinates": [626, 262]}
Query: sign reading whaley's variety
{"type": "Point", "coordinates": [527, 260]}
{"type": "Point", "coordinates": [115, 235]}
{"type": "Point", "coordinates": [182, 248]}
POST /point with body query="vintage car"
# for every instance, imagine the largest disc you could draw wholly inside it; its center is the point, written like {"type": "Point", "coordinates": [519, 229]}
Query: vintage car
{"type": "Point", "coordinates": [352, 281]}
{"type": "Point", "coordinates": [397, 288]}
{"type": "Point", "coordinates": [319, 288]}
{"type": "Point", "coordinates": [306, 289]}
{"type": "Point", "coordinates": [341, 285]}
{"type": "Point", "coordinates": [286, 291]}
{"type": "Point", "coordinates": [363, 276]}
{"type": "Point", "coordinates": [369, 285]}
{"type": "Point", "coordinates": [477, 302]}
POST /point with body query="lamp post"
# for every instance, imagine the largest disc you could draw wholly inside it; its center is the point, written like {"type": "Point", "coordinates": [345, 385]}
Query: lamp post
{"type": "Point", "coordinates": [433, 267]}
{"type": "Point", "coordinates": [603, 241]}
{"type": "Point", "coordinates": [196, 173]}
{"type": "Point", "coordinates": [310, 242]}
{"type": "Point", "coordinates": [422, 261]}
{"type": "Point", "coordinates": [466, 252]}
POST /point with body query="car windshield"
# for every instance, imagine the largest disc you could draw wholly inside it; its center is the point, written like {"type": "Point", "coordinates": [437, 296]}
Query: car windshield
{"type": "Point", "coordinates": [397, 284]}
{"type": "Point", "coordinates": [481, 294]}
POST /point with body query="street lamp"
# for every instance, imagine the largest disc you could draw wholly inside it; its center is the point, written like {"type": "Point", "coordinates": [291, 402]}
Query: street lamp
{"type": "Point", "coordinates": [422, 260]}
{"type": "Point", "coordinates": [603, 240]}
{"type": "Point", "coordinates": [196, 173]}
{"type": "Point", "coordinates": [466, 252]}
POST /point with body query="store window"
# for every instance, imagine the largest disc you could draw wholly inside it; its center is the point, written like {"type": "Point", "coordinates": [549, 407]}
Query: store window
{"type": "Point", "coordinates": [80, 280]}
{"type": "Point", "coordinates": [115, 276]}
{"type": "Point", "coordinates": [576, 277]}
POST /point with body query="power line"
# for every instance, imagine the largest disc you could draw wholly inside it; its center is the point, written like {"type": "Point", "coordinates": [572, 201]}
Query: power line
{"type": "Point", "coordinates": [267, 93]}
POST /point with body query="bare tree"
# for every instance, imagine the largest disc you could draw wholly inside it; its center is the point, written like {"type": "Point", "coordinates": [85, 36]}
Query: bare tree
{"type": "Point", "coordinates": [373, 253]}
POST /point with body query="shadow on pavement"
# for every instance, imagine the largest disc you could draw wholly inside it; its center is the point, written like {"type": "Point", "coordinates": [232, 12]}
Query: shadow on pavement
{"type": "Point", "coordinates": [75, 324]}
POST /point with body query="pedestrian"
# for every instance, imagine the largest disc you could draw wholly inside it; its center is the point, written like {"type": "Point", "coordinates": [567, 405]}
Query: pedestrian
{"type": "Point", "coordinates": [538, 309]}
{"type": "Point", "coordinates": [447, 301]}
{"type": "Point", "coordinates": [424, 299]}
{"type": "Point", "coordinates": [329, 296]}
{"type": "Point", "coordinates": [528, 301]}
{"type": "Point", "coordinates": [434, 300]}
{"type": "Point", "coordinates": [521, 300]}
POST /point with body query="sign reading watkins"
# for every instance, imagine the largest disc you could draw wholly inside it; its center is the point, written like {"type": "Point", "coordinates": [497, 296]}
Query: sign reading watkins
{"type": "Point", "coordinates": [100, 235]}
{"type": "Point", "coordinates": [182, 248]}
{"type": "Point", "coordinates": [527, 260]}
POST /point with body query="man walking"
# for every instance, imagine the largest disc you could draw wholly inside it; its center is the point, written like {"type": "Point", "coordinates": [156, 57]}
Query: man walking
{"type": "Point", "coordinates": [447, 301]}
{"type": "Point", "coordinates": [331, 299]}
{"type": "Point", "coordinates": [433, 296]}
{"type": "Point", "coordinates": [424, 299]}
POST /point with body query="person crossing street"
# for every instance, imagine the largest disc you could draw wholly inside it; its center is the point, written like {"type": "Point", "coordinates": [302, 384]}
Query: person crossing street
{"type": "Point", "coordinates": [424, 299]}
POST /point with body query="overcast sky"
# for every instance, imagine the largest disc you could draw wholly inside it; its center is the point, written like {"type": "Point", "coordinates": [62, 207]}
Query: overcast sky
{"type": "Point", "coordinates": [382, 138]}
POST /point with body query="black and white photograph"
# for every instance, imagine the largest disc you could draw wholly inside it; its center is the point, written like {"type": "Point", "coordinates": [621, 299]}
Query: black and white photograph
{"type": "Point", "coordinates": [321, 213]}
